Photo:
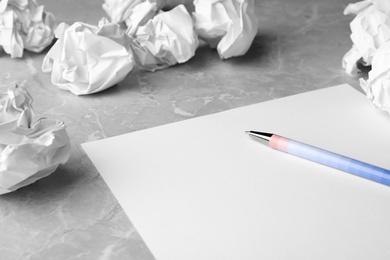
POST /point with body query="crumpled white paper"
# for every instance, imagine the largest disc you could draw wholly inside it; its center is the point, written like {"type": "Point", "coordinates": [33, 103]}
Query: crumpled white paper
{"type": "Point", "coordinates": [370, 29]}
{"type": "Point", "coordinates": [120, 10]}
{"type": "Point", "coordinates": [377, 86]}
{"type": "Point", "coordinates": [29, 149]}
{"type": "Point", "coordinates": [87, 59]}
{"type": "Point", "coordinates": [141, 14]}
{"type": "Point", "coordinates": [228, 25]}
{"type": "Point", "coordinates": [24, 25]}
{"type": "Point", "coordinates": [165, 40]}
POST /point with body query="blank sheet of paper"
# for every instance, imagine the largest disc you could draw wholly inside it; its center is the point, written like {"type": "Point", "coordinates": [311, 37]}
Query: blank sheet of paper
{"type": "Point", "coordinates": [202, 189]}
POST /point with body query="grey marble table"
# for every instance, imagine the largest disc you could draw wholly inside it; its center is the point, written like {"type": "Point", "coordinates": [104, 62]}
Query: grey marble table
{"type": "Point", "coordinates": [72, 214]}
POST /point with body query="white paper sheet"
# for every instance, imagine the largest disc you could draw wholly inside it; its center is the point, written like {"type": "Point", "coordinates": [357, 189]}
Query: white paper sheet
{"type": "Point", "coordinates": [202, 189]}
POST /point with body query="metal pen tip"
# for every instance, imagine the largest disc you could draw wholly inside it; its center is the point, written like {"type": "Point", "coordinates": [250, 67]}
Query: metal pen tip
{"type": "Point", "coordinates": [260, 135]}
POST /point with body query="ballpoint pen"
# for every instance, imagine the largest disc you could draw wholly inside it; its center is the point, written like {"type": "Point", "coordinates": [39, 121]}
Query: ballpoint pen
{"type": "Point", "coordinates": [324, 157]}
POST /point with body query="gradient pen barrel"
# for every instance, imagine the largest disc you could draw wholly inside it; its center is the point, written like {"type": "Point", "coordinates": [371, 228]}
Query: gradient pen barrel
{"type": "Point", "coordinates": [330, 159]}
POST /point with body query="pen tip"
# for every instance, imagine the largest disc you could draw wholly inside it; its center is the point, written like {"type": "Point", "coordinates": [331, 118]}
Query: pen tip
{"type": "Point", "coordinates": [259, 135]}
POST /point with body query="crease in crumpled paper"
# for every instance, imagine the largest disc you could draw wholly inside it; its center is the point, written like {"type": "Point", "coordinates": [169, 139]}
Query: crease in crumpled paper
{"type": "Point", "coordinates": [228, 25]}
{"type": "Point", "coordinates": [120, 10]}
{"type": "Point", "coordinates": [377, 86]}
{"type": "Point", "coordinates": [141, 14]}
{"type": "Point", "coordinates": [370, 29]}
{"type": "Point", "coordinates": [24, 25]}
{"type": "Point", "coordinates": [87, 59]}
{"type": "Point", "coordinates": [30, 148]}
{"type": "Point", "coordinates": [165, 40]}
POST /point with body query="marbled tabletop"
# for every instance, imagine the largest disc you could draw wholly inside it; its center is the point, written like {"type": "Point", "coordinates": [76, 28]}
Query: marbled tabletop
{"type": "Point", "coordinates": [72, 214]}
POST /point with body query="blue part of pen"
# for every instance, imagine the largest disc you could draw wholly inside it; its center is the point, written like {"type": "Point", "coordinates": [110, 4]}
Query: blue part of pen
{"type": "Point", "coordinates": [324, 157]}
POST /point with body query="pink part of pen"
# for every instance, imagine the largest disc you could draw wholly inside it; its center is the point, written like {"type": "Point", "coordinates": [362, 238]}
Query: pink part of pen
{"type": "Point", "coordinates": [279, 143]}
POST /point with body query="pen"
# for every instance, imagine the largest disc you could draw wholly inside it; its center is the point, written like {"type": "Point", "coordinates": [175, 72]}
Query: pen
{"type": "Point", "coordinates": [324, 157]}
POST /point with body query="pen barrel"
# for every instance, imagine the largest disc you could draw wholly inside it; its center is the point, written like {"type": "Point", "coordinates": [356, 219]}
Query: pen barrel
{"type": "Point", "coordinates": [330, 159]}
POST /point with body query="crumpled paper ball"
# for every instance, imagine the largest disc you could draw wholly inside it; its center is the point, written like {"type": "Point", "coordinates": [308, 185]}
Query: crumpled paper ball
{"type": "Point", "coordinates": [165, 40]}
{"type": "Point", "coordinates": [377, 86]}
{"type": "Point", "coordinates": [228, 25]}
{"type": "Point", "coordinates": [29, 149]}
{"type": "Point", "coordinates": [24, 25]}
{"type": "Point", "coordinates": [141, 14]}
{"type": "Point", "coordinates": [87, 59]}
{"type": "Point", "coordinates": [120, 10]}
{"type": "Point", "coordinates": [370, 29]}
